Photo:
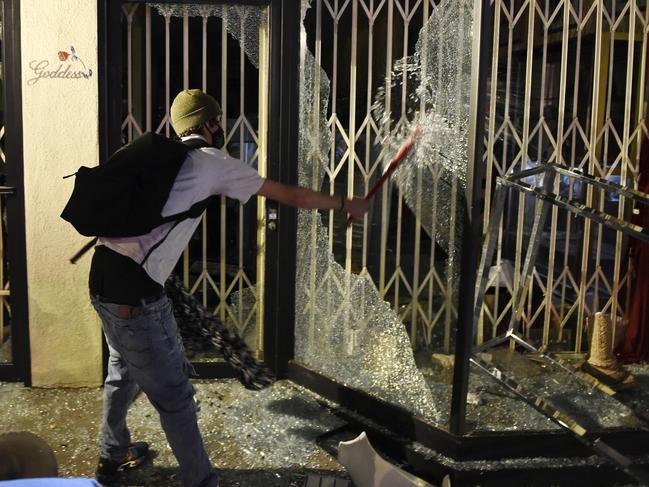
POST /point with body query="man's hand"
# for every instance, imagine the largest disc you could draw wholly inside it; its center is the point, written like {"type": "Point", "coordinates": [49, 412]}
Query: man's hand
{"type": "Point", "coordinates": [357, 207]}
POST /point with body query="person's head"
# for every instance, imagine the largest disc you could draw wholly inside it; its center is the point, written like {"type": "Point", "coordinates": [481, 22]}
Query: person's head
{"type": "Point", "coordinates": [24, 455]}
{"type": "Point", "coordinates": [196, 112]}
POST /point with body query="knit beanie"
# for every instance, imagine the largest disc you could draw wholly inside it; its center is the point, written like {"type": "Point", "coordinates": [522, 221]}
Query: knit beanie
{"type": "Point", "coordinates": [192, 108]}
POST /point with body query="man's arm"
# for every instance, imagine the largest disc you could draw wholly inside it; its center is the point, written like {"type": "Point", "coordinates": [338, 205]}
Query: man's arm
{"type": "Point", "coordinates": [300, 197]}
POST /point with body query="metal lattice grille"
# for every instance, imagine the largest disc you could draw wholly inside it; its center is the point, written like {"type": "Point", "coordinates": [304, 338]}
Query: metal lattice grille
{"type": "Point", "coordinates": [167, 51]}
{"type": "Point", "coordinates": [5, 294]}
{"type": "Point", "coordinates": [357, 43]}
{"type": "Point", "coordinates": [568, 86]}
{"type": "Point", "coordinates": [5, 309]}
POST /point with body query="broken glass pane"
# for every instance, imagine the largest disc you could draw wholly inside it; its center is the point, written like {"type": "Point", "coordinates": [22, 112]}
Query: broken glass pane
{"type": "Point", "coordinates": [241, 21]}
{"type": "Point", "coordinates": [344, 328]}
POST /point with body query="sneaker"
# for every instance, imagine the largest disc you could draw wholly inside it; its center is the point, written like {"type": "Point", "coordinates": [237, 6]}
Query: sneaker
{"type": "Point", "coordinates": [108, 471]}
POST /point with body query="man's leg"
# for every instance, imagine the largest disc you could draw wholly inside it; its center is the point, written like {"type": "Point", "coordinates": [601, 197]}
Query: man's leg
{"type": "Point", "coordinates": [173, 396]}
{"type": "Point", "coordinates": [119, 391]}
{"type": "Point", "coordinates": [149, 344]}
{"type": "Point", "coordinates": [179, 422]}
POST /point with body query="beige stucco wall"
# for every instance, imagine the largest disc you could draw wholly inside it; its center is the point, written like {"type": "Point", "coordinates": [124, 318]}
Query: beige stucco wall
{"type": "Point", "coordinates": [60, 123]}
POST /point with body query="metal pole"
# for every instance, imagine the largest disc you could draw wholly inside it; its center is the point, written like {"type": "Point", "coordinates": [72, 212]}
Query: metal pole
{"type": "Point", "coordinates": [282, 166]}
{"type": "Point", "coordinates": [473, 226]}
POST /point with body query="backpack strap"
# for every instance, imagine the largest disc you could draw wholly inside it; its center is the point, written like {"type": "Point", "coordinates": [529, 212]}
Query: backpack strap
{"type": "Point", "coordinates": [194, 211]}
{"type": "Point", "coordinates": [196, 143]}
{"type": "Point", "coordinates": [159, 242]}
{"type": "Point", "coordinates": [199, 207]}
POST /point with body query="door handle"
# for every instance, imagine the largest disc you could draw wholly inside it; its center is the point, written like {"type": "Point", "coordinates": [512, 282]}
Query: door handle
{"type": "Point", "coordinates": [272, 217]}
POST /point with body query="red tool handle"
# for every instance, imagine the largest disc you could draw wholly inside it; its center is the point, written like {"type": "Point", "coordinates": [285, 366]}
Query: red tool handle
{"type": "Point", "coordinates": [404, 150]}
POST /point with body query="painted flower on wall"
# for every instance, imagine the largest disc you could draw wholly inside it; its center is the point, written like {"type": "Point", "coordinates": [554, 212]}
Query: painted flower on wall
{"type": "Point", "coordinates": [72, 55]}
{"type": "Point", "coordinates": [69, 66]}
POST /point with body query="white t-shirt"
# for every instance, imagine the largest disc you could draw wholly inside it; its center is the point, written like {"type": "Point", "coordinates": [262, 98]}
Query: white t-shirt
{"type": "Point", "coordinates": [205, 172]}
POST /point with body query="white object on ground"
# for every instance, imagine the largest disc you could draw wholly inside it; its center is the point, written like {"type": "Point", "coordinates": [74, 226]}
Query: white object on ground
{"type": "Point", "coordinates": [368, 469]}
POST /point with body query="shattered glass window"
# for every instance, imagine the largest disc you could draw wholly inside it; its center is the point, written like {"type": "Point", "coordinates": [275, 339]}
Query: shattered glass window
{"type": "Point", "coordinates": [345, 327]}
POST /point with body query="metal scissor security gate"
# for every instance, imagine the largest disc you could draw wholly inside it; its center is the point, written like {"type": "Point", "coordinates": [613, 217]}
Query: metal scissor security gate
{"type": "Point", "coordinates": [357, 43]}
{"type": "Point", "coordinates": [568, 86]}
{"type": "Point", "coordinates": [6, 355]}
{"type": "Point", "coordinates": [14, 319]}
{"type": "Point", "coordinates": [174, 47]}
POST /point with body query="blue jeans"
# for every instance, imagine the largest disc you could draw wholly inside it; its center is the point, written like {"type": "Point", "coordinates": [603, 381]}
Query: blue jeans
{"type": "Point", "coordinates": [146, 352]}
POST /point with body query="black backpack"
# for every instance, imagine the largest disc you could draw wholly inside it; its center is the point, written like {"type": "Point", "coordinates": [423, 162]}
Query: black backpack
{"type": "Point", "coordinates": [125, 196]}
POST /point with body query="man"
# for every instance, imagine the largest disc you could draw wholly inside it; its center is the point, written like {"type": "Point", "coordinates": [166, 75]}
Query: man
{"type": "Point", "coordinates": [127, 276]}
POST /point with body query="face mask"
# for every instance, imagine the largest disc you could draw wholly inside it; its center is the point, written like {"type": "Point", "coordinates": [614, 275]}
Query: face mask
{"type": "Point", "coordinates": [218, 138]}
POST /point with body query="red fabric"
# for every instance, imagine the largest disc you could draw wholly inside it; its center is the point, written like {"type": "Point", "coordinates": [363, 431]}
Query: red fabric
{"type": "Point", "coordinates": [636, 341]}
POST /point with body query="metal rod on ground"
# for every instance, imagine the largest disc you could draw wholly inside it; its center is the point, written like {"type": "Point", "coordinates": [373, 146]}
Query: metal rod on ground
{"type": "Point", "coordinates": [564, 421]}
{"type": "Point", "coordinates": [589, 379]}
